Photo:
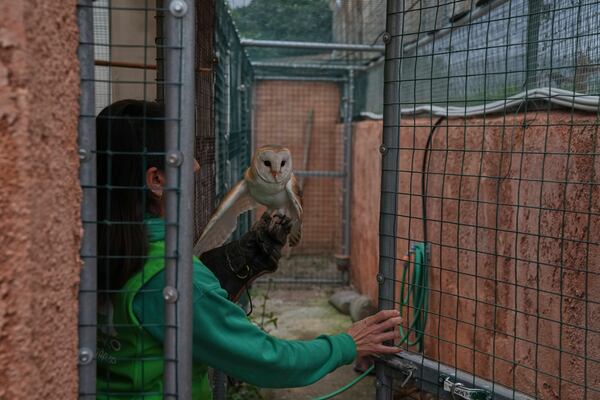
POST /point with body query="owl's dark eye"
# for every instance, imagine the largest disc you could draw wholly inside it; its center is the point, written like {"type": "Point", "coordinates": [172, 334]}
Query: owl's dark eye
{"type": "Point", "coordinates": [267, 163]}
{"type": "Point", "coordinates": [283, 163]}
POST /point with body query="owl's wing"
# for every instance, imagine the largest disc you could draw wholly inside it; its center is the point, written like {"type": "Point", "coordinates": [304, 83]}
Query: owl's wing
{"type": "Point", "coordinates": [224, 219]}
{"type": "Point", "coordinates": [295, 195]}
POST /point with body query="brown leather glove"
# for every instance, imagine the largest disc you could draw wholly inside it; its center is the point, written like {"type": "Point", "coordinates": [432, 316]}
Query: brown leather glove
{"type": "Point", "coordinates": [239, 263]}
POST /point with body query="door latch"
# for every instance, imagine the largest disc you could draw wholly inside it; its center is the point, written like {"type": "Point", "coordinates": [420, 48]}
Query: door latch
{"type": "Point", "coordinates": [459, 391]}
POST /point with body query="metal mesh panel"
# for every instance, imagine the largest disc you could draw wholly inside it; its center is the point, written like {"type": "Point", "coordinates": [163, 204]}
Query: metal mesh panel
{"type": "Point", "coordinates": [125, 138]}
{"type": "Point", "coordinates": [304, 116]}
{"type": "Point", "coordinates": [489, 203]}
{"type": "Point", "coordinates": [232, 108]}
{"type": "Point", "coordinates": [304, 99]}
{"type": "Point", "coordinates": [205, 128]}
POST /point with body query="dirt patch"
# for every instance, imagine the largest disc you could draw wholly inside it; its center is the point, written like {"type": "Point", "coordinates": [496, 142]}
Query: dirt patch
{"type": "Point", "coordinates": [313, 268]}
{"type": "Point", "coordinates": [304, 313]}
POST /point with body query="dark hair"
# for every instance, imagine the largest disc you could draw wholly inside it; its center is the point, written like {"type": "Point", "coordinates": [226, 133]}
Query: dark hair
{"type": "Point", "coordinates": [129, 134]}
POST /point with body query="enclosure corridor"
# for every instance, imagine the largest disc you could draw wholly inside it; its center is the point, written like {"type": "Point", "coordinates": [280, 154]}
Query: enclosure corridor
{"type": "Point", "coordinates": [445, 165]}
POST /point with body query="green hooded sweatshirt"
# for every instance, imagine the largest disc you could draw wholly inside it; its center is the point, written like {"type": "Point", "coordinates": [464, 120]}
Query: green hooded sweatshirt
{"type": "Point", "coordinates": [130, 349]}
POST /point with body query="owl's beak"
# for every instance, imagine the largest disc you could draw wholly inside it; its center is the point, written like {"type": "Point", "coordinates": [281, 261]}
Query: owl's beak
{"type": "Point", "coordinates": [274, 173]}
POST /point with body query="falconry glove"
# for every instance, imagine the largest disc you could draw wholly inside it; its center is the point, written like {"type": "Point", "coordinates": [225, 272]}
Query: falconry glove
{"type": "Point", "coordinates": [239, 263]}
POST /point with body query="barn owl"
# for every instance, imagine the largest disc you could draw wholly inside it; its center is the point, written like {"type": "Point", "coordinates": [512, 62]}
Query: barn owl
{"type": "Point", "coordinates": [268, 181]}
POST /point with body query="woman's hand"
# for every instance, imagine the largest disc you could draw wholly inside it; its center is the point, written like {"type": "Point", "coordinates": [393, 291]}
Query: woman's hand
{"type": "Point", "coordinates": [370, 333]}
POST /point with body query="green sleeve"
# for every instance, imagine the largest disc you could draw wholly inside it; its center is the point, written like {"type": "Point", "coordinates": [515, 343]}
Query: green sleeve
{"type": "Point", "coordinates": [225, 339]}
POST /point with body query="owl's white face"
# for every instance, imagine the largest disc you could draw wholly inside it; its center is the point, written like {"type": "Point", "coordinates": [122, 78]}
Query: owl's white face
{"type": "Point", "coordinates": [273, 164]}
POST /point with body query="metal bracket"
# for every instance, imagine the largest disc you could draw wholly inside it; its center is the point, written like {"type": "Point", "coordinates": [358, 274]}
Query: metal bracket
{"type": "Point", "coordinates": [408, 376]}
{"type": "Point", "coordinates": [458, 391]}
{"type": "Point", "coordinates": [406, 369]}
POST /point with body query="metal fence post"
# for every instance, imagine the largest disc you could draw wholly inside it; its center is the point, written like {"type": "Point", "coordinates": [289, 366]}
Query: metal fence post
{"type": "Point", "coordinates": [159, 41]}
{"type": "Point", "coordinates": [389, 175]}
{"type": "Point", "coordinates": [87, 177]}
{"type": "Point", "coordinates": [347, 166]}
{"type": "Point", "coordinates": [179, 89]}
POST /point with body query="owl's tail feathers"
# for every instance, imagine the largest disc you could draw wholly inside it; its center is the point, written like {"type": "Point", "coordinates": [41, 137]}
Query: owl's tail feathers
{"type": "Point", "coordinates": [295, 234]}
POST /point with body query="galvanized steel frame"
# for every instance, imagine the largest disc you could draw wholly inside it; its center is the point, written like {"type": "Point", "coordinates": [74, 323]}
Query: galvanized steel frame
{"type": "Point", "coordinates": [389, 176]}
{"type": "Point", "coordinates": [87, 176]}
{"type": "Point", "coordinates": [283, 44]}
{"type": "Point", "coordinates": [347, 164]}
{"type": "Point", "coordinates": [345, 174]}
{"type": "Point", "coordinates": [179, 87]}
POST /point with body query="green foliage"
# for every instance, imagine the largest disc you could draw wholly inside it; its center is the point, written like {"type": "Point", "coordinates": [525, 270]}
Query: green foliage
{"type": "Point", "coordinates": [305, 20]}
{"type": "Point", "coordinates": [243, 391]}
{"type": "Point", "coordinates": [265, 320]}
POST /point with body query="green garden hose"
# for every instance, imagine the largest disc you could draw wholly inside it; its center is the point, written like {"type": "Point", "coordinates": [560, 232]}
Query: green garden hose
{"type": "Point", "coordinates": [347, 386]}
{"type": "Point", "coordinates": [418, 287]}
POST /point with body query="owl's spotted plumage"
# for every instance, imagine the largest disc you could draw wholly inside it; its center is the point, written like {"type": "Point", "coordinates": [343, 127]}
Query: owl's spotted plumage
{"type": "Point", "coordinates": [268, 181]}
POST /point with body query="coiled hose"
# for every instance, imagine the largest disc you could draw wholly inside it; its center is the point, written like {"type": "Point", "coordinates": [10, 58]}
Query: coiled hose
{"type": "Point", "coordinates": [416, 297]}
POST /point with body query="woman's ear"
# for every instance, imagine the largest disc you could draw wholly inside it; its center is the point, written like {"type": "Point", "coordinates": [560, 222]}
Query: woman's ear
{"type": "Point", "coordinates": [155, 180]}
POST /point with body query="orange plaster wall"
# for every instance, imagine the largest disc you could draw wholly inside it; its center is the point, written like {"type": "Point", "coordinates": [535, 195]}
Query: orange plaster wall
{"type": "Point", "coordinates": [281, 111]}
{"type": "Point", "coordinates": [39, 200]}
{"type": "Point", "coordinates": [501, 277]}
{"type": "Point", "coordinates": [366, 184]}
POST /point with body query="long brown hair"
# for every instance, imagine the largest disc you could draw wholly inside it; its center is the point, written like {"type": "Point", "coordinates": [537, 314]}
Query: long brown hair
{"type": "Point", "coordinates": [130, 139]}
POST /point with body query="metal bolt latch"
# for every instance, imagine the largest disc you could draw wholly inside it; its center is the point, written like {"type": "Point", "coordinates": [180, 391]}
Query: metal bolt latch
{"type": "Point", "coordinates": [380, 278]}
{"type": "Point", "coordinates": [85, 355]}
{"type": "Point", "coordinates": [386, 37]}
{"type": "Point", "coordinates": [408, 376]}
{"type": "Point", "coordinates": [170, 294]}
{"type": "Point", "coordinates": [458, 391]}
{"type": "Point", "coordinates": [174, 158]}
{"type": "Point", "coordinates": [383, 149]}
{"type": "Point", "coordinates": [178, 8]}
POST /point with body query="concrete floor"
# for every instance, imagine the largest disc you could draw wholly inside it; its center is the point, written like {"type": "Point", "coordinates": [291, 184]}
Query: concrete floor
{"type": "Point", "coordinates": [304, 313]}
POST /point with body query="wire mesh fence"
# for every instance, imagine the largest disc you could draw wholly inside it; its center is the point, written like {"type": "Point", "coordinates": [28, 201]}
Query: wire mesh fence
{"type": "Point", "coordinates": [233, 85]}
{"type": "Point", "coordinates": [205, 122]}
{"type": "Point", "coordinates": [304, 116]}
{"type": "Point", "coordinates": [137, 179]}
{"type": "Point", "coordinates": [489, 205]}
{"type": "Point", "coordinates": [303, 98]}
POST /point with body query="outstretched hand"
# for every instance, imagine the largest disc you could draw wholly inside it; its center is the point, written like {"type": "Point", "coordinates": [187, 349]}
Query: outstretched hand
{"type": "Point", "coordinates": [369, 334]}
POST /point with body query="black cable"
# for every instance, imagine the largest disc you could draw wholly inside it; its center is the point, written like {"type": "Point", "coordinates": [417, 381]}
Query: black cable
{"type": "Point", "coordinates": [424, 170]}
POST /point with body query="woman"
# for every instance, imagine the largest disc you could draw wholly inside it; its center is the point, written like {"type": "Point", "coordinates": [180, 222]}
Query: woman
{"type": "Point", "coordinates": [130, 144]}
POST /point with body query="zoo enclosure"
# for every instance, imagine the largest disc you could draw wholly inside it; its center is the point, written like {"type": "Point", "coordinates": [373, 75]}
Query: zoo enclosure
{"type": "Point", "coordinates": [489, 240]}
{"type": "Point", "coordinates": [306, 103]}
{"type": "Point", "coordinates": [130, 50]}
